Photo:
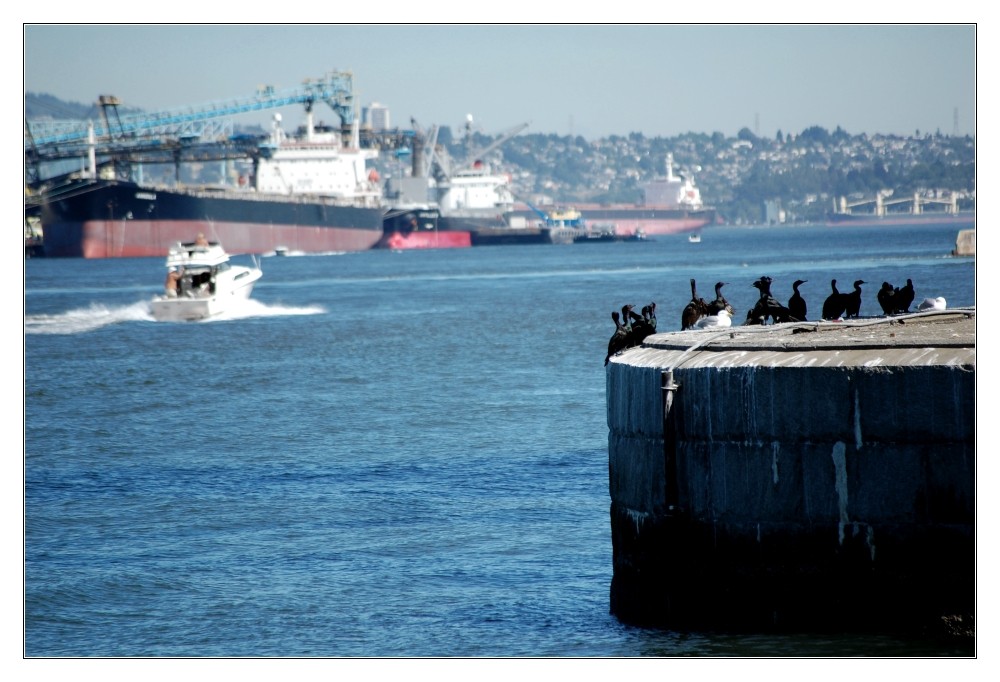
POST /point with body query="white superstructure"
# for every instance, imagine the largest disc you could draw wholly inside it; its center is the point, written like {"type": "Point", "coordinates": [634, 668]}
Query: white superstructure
{"type": "Point", "coordinates": [317, 164]}
{"type": "Point", "coordinates": [673, 191]}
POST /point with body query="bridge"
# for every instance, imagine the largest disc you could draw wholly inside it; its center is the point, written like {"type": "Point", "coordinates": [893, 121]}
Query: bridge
{"type": "Point", "coordinates": [912, 205]}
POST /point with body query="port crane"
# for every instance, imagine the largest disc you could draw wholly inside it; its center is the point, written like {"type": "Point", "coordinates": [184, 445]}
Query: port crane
{"type": "Point", "coordinates": [191, 132]}
{"type": "Point", "coordinates": [444, 164]}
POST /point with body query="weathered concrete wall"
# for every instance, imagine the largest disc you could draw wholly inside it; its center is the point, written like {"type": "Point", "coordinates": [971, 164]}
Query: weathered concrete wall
{"type": "Point", "coordinates": [965, 244]}
{"type": "Point", "coordinates": [817, 475]}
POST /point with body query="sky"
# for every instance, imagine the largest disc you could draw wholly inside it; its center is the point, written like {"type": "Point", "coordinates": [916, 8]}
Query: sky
{"type": "Point", "coordinates": [584, 79]}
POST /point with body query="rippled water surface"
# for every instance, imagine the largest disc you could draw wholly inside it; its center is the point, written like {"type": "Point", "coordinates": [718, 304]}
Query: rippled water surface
{"type": "Point", "coordinates": [381, 454]}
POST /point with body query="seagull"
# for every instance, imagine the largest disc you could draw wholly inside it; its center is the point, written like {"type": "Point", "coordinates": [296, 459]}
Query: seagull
{"type": "Point", "coordinates": [932, 304]}
{"type": "Point", "coordinates": [720, 319]}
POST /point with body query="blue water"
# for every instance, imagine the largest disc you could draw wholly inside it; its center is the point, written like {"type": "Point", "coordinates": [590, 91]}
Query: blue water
{"type": "Point", "coordinates": [381, 454]}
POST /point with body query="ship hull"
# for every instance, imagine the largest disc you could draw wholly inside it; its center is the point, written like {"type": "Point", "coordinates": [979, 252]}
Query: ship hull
{"type": "Point", "coordinates": [500, 236]}
{"type": "Point", "coordinates": [123, 220]}
{"type": "Point", "coordinates": [435, 239]}
{"type": "Point", "coordinates": [420, 228]}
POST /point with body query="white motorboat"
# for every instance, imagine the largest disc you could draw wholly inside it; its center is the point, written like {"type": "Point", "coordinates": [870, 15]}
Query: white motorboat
{"type": "Point", "coordinates": [202, 283]}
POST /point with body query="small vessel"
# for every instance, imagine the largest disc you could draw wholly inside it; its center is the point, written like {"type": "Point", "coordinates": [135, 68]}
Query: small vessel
{"type": "Point", "coordinates": [694, 238]}
{"type": "Point", "coordinates": [597, 235]}
{"type": "Point", "coordinates": [201, 283]}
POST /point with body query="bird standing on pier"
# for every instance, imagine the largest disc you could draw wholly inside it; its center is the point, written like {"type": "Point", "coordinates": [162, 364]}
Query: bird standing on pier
{"type": "Point", "coordinates": [642, 325]}
{"type": "Point", "coordinates": [852, 300]}
{"type": "Point", "coordinates": [767, 306]}
{"type": "Point", "coordinates": [932, 304]}
{"type": "Point", "coordinates": [693, 311]}
{"type": "Point", "coordinates": [618, 341]}
{"type": "Point", "coordinates": [904, 297]}
{"type": "Point", "coordinates": [720, 302]}
{"type": "Point", "coordinates": [797, 304]}
{"type": "Point", "coordinates": [720, 319]}
{"type": "Point", "coordinates": [886, 297]}
{"type": "Point", "coordinates": [834, 305]}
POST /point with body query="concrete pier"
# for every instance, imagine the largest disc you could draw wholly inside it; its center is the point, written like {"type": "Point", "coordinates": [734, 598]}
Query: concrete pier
{"type": "Point", "coordinates": [814, 475]}
{"type": "Point", "coordinates": [965, 243]}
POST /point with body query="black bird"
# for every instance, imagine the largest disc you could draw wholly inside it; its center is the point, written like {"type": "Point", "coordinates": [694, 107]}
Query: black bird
{"type": "Point", "coordinates": [759, 313]}
{"type": "Point", "coordinates": [834, 305]}
{"type": "Point", "coordinates": [693, 311]}
{"type": "Point", "coordinates": [852, 300]}
{"type": "Point", "coordinates": [618, 340]}
{"type": "Point", "coordinates": [904, 297]}
{"type": "Point", "coordinates": [778, 312]}
{"type": "Point", "coordinates": [767, 306]}
{"type": "Point", "coordinates": [887, 298]}
{"type": "Point", "coordinates": [720, 302]}
{"type": "Point", "coordinates": [642, 325]}
{"type": "Point", "coordinates": [797, 304]}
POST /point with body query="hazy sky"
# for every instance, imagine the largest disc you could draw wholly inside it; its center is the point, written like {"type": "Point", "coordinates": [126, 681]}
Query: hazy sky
{"type": "Point", "coordinates": [590, 80]}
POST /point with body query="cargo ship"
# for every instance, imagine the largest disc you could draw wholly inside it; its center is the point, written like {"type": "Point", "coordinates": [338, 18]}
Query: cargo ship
{"type": "Point", "coordinates": [671, 204]}
{"type": "Point", "coordinates": [447, 204]}
{"type": "Point", "coordinates": [311, 193]}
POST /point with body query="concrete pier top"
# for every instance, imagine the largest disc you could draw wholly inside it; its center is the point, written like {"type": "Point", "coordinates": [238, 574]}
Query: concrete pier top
{"type": "Point", "coordinates": [816, 475]}
{"type": "Point", "coordinates": [931, 338]}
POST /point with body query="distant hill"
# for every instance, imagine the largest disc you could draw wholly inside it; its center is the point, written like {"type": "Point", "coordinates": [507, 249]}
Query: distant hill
{"type": "Point", "coordinates": [44, 107]}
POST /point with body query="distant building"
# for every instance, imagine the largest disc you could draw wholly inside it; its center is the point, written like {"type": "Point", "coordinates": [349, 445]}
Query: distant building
{"type": "Point", "coordinates": [773, 213]}
{"type": "Point", "coordinates": [376, 116]}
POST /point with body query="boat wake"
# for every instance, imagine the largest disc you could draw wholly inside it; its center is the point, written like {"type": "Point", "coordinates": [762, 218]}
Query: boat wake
{"type": "Point", "coordinates": [253, 308]}
{"type": "Point", "coordinates": [97, 316]}
{"type": "Point", "coordinates": [88, 319]}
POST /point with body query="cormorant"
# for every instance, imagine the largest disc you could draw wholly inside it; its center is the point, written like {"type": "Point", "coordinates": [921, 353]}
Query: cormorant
{"type": "Point", "coordinates": [759, 313]}
{"type": "Point", "coordinates": [887, 298]}
{"type": "Point", "coordinates": [852, 300]}
{"type": "Point", "coordinates": [694, 310]}
{"type": "Point", "coordinates": [834, 305]}
{"type": "Point", "coordinates": [642, 325]}
{"type": "Point", "coordinates": [720, 319]}
{"type": "Point", "coordinates": [618, 340]}
{"type": "Point", "coordinates": [720, 302]}
{"type": "Point", "coordinates": [767, 306]}
{"type": "Point", "coordinates": [797, 304]}
{"type": "Point", "coordinates": [932, 304]}
{"type": "Point", "coordinates": [904, 297]}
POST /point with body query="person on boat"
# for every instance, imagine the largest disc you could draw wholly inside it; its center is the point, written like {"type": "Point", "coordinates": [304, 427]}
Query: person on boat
{"type": "Point", "coordinates": [200, 240]}
{"type": "Point", "coordinates": [173, 282]}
